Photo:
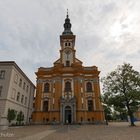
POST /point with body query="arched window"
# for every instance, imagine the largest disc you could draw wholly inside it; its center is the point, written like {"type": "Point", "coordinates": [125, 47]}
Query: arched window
{"type": "Point", "coordinates": [67, 63]}
{"type": "Point", "coordinates": [45, 106]}
{"type": "Point", "coordinates": [67, 86]}
{"type": "Point", "coordinates": [46, 87]}
{"type": "Point", "coordinates": [90, 105]}
{"type": "Point", "coordinates": [89, 87]}
{"type": "Point", "coordinates": [18, 96]}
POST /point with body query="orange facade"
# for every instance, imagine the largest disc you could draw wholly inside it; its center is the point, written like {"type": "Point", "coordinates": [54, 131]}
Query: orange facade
{"type": "Point", "coordinates": [68, 92]}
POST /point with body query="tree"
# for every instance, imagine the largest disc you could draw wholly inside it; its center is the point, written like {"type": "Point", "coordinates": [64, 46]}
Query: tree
{"type": "Point", "coordinates": [108, 113]}
{"type": "Point", "coordinates": [20, 117]}
{"type": "Point", "coordinates": [11, 115]}
{"type": "Point", "coordinates": [122, 88]}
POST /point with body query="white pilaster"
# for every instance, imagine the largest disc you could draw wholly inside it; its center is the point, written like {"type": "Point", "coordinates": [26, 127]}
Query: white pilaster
{"type": "Point", "coordinates": [53, 100]}
{"type": "Point", "coordinates": [72, 87]}
{"type": "Point", "coordinates": [82, 100]}
{"type": "Point", "coordinates": [94, 104]}
{"type": "Point", "coordinates": [62, 87]}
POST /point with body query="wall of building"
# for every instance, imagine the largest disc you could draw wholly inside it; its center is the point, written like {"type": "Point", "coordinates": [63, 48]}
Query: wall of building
{"type": "Point", "coordinates": [11, 87]}
{"type": "Point", "coordinates": [78, 90]}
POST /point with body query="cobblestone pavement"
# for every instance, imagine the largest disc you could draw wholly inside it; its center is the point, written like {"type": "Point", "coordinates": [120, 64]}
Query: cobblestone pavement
{"type": "Point", "coordinates": [114, 131]}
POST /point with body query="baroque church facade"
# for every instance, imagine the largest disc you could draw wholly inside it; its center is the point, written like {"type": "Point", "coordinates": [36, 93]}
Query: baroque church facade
{"type": "Point", "coordinates": [68, 92]}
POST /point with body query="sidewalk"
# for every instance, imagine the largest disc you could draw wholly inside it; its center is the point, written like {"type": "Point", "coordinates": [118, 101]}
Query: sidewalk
{"type": "Point", "coordinates": [113, 131]}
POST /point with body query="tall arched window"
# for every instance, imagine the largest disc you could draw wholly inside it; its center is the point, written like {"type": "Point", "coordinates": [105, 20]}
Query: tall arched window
{"type": "Point", "coordinates": [46, 87]}
{"type": "Point", "coordinates": [90, 105]}
{"type": "Point", "coordinates": [45, 106]}
{"type": "Point", "coordinates": [18, 96]}
{"type": "Point", "coordinates": [67, 86]}
{"type": "Point", "coordinates": [89, 87]}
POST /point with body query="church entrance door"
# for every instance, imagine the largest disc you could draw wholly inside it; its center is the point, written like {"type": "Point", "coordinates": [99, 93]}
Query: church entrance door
{"type": "Point", "coordinates": [68, 114]}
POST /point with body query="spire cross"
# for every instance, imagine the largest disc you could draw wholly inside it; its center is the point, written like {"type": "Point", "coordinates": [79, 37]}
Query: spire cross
{"type": "Point", "coordinates": [67, 13]}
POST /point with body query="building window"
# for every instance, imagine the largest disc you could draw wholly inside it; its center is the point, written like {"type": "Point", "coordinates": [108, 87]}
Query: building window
{"type": "Point", "coordinates": [45, 106]}
{"type": "Point", "coordinates": [18, 96]}
{"type": "Point", "coordinates": [13, 94]}
{"type": "Point", "coordinates": [90, 105]}
{"type": "Point", "coordinates": [16, 78]}
{"type": "Point", "coordinates": [46, 87]}
{"type": "Point", "coordinates": [66, 44]}
{"type": "Point", "coordinates": [53, 106]}
{"type": "Point", "coordinates": [89, 87]}
{"type": "Point", "coordinates": [67, 63]}
{"type": "Point", "coordinates": [22, 98]}
{"type": "Point", "coordinates": [25, 100]}
{"type": "Point", "coordinates": [1, 91]}
{"type": "Point", "coordinates": [27, 88]}
{"type": "Point", "coordinates": [67, 86]}
{"type": "Point", "coordinates": [82, 106]}
{"type": "Point", "coordinates": [88, 119]}
{"type": "Point", "coordinates": [24, 84]}
{"type": "Point", "coordinates": [20, 82]}
{"type": "Point", "coordinates": [2, 74]}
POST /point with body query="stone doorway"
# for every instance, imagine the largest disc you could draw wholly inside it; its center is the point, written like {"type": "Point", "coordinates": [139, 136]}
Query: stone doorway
{"type": "Point", "coordinates": [68, 110]}
{"type": "Point", "coordinates": [68, 115]}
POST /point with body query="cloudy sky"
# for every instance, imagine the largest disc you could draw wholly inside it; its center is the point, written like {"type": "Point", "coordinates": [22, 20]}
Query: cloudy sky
{"type": "Point", "coordinates": [107, 32]}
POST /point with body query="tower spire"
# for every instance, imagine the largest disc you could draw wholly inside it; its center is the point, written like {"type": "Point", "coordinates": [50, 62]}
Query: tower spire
{"type": "Point", "coordinates": [67, 26]}
{"type": "Point", "coordinates": [67, 13]}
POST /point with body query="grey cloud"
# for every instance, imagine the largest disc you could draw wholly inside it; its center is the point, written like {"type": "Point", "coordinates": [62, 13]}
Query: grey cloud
{"type": "Point", "coordinates": [29, 32]}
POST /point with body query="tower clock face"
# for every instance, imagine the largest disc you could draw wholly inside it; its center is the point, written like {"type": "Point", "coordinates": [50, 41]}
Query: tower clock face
{"type": "Point", "coordinates": [67, 52]}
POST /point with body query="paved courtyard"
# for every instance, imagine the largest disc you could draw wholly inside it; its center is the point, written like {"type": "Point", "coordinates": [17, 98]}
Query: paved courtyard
{"type": "Point", "coordinates": [114, 131]}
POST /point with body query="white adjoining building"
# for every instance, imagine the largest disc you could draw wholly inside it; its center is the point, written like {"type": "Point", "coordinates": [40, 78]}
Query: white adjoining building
{"type": "Point", "coordinates": [16, 91]}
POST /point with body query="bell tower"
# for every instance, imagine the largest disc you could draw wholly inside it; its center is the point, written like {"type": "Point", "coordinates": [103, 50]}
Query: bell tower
{"type": "Point", "coordinates": [67, 43]}
{"type": "Point", "coordinates": [68, 92]}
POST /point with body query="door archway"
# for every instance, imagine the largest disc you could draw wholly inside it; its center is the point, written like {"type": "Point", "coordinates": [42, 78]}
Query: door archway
{"type": "Point", "coordinates": [68, 114]}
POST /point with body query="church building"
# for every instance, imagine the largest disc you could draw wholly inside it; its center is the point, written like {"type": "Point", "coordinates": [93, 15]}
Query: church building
{"type": "Point", "coordinates": [68, 92]}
